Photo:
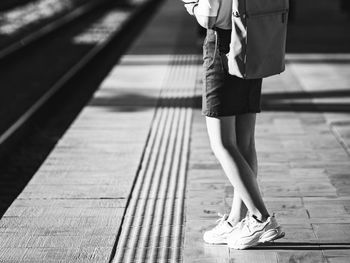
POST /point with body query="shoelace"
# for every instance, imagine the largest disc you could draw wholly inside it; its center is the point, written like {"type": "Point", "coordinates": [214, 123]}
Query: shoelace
{"type": "Point", "coordinates": [250, 222]}
{"type": "Point", "coordinates": [244, 222]}
{"type": "Point", "coordinates": [222, 218]}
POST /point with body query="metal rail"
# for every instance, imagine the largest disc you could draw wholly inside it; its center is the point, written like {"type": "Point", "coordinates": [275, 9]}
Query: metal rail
{"type": "Point", "coordinates": [50, 28]}
{"type": "Point", "coordinates": [10, 136]}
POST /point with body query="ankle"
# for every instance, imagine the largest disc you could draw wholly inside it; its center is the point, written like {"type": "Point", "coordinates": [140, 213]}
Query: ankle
{"type": "Point", "coordinates": [233, 220]}
{"type": "Point", "coordinates": [260, 216]}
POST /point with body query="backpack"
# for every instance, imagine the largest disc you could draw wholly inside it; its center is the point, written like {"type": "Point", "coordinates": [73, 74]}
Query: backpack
{"type": "Point", "coordinates": [258, 38]}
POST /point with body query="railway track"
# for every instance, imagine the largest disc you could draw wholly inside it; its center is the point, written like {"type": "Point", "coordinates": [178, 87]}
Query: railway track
{"type": "Point", "coordinates": [39, 22]}
{"type": "Point", "coordinates": [8, 4]}
{"type": "Point", "coordinates": [37, 72]}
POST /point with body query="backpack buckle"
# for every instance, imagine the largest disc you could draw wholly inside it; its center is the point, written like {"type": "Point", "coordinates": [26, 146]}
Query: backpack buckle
{"type": "Point", "coordinates": [236, 14]}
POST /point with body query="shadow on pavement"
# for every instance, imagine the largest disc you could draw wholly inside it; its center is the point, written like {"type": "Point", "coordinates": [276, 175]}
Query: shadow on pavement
{"type": "Point", "coordinates": [304, 246]}
{"type": "Point", "coordinates": [291, 101]}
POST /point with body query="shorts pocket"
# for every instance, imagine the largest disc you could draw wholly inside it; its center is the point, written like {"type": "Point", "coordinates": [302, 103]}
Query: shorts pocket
{"type": "Point", "coordinates": [211, 54]}
{"type": "Point", "coordinates": [208, 54]}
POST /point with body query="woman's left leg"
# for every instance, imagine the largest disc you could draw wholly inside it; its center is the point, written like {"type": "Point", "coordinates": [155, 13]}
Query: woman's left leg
{"type": "Point", "coordinates": [245, 138]}
{"type": "Point", "coordinates": [222, 136]}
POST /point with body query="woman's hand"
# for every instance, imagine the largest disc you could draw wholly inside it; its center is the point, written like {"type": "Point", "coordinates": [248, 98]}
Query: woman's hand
{"type": "Point", "coordinates": [190, 1]}
{"type": "Point", "coordinates": [190, 5]}
{"type": "Point", "coordinates": [204, 21]}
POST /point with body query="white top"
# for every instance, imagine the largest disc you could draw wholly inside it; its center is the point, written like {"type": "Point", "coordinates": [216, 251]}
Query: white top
{"type": "Point", "coordinates": [221, 9]}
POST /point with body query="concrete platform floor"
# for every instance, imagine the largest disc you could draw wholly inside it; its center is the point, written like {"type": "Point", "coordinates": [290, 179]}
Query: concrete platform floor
{"type": "Point", "coordinates": [134, 180]}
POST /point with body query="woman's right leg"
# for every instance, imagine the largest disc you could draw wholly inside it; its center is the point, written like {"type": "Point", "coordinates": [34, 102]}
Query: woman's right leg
{"type": "Point", "coordinates": [245, 137]}
{"type": "Point", "coordinates": [222, 136]}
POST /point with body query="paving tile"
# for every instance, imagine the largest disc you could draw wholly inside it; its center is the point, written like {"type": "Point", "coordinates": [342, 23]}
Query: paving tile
{"type": "Point", "coordinates": [300, 256]}
{"type": "Point", "coordinates": [205, 251]}
{"type": "Point", "coordinates": [298, 233]}
{"type": "Point", "coordinates": [12, 254]}
{"type": "Point", "coordinates": [327, 220]}
{"type": "Point", "coordinates": [342, 183]}
{"type": "Point", "coordinates": [332, 232]}
{"type": "Point", "coordinates": [207, 260]}
{"type": "Point", "coordinates": [73, 191]}
{"type": "Point", "coordinates": [343, 259]}
{"type": "Point", "coordinates": [329, 210]}
{"type": "Point", "coordinates": [253, 256]}
{"type": "Point", "coordinates": [336, 255]}
{"type": "Point", "coordinates": [77, 203]}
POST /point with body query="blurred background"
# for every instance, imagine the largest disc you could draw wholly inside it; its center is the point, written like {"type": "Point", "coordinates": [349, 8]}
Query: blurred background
{"type": "Point", "coordinates": [319, 26]}
{"type": "Point", "coordinates": [80, 84]}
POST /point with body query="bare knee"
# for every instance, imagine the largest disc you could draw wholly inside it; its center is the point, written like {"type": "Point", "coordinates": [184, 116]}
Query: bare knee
{"type": "Point", "coordinates": [245, 129]}
{"type": "Point", "coordinates": [222, 135]}
{"type": "Point", "coordinates": [247, 146]}
{"type": "Point", "coordinates": [220, 147]}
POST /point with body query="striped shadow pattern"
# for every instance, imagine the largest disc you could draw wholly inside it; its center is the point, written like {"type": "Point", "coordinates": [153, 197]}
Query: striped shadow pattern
{"type": "Point", "coordinates": [153, 225]}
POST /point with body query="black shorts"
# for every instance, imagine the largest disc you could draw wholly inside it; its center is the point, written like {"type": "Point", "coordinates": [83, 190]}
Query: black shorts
{"type": "Point", "coordinates": [225, 94]}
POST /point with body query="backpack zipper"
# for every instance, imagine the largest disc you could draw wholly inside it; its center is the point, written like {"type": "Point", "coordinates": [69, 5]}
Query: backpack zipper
{"type": "Point", "coordinates": [246, 15]}
{"type": "Point", "coordinates": [282, 11]}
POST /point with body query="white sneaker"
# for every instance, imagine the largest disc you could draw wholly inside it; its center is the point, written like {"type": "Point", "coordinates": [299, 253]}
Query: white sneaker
{"type": "Point", "coordinates": [219, 234]}
{"type": "Point", "coordinates": [252, 232]}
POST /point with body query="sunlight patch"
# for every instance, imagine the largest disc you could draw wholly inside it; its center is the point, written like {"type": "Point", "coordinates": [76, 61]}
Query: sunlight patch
{"type": "Point", "coordinates": [99, 31]}
{"type": "Point", "coordinates": [17, 18]}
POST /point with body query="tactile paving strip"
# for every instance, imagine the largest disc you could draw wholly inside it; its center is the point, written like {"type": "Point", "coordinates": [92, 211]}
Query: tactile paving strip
{"type": "Point", "coordinates": [153, 225]}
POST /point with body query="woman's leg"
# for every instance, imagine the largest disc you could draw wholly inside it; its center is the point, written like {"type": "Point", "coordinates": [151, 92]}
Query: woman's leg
{"type": "Point", "coordinates": [245, 138]}
{"type": "Point", "coordinates": [222, 136]}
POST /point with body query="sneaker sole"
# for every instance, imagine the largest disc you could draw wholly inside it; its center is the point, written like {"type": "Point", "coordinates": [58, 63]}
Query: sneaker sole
{"type": "Point", "coordinates": [269, 236]}
{"type": "Point", "coordinates": [216, 242]}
